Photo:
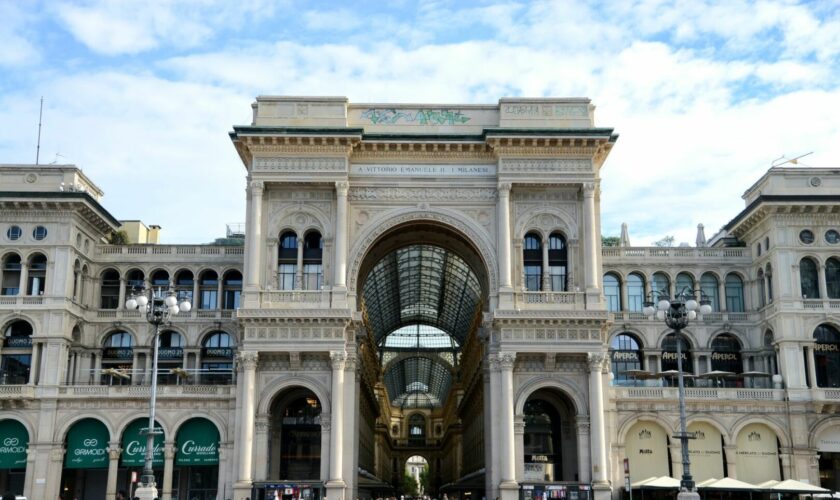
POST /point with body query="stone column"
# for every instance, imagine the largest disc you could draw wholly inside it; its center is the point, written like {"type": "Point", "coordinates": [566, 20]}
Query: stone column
{"type": "Point", "coordinates": [224, 467]}
{"type": "Point", "coordinates": [114, 452]}
{"type": "Point", "coordinates": [339, 279]}
{"type": "Point", "coordinates": [24, 277]}
{"type": "Point", "coordinates": [34, 366]}
{"type": "Point", "coordinates": [519, 442]}
{"type": "Point", "coordinates": [504, 235]}
{"type": "Point", "coordinates": [220, 288]}
{"type": "Point", "coordinates": [821, 279]}
{"type": "Point", "coordinates": [168, 466]}
{"type": "Point", "coordinates": [336, 485]}
{"type": "Point", "coordinates": [591, 244]}
{"type": "Point", "coordinates": [326, 430]}
{"type": "Point", "coordinates": [262, 436]}
{"type": "Point", "coordinates": [546, 277]}
{"type": "Point", "coordinates": [271, 246]}
{"type": "Point", "coordinates": [596, 417]}
{"type": "Point", "coordinates": [299, 265]}
{"type": "Point", "coordinates": [253, 234]}
{"type": "Point", "coordinates": [508, 487]}
{"type": "Point", "coordinates": [584, 457]}
{"type": "Point", "coordinates": [722, 295]}
{"type": "Point", "coordinates": [248, 367]}
{"type": "Point", "coordinates": [812, 366]}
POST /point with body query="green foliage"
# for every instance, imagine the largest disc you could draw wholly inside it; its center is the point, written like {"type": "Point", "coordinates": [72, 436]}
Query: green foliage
{"type": "Point", "coordinates": [667, 241]}
{"type": "Point", "coordinates": [119, 237]}
{"type": "Point", "coordinates": [409, 485]}
{"type": "Point", "coordinates": [609, 241]}
{"type": "Point", "coordinates": [424, 481]}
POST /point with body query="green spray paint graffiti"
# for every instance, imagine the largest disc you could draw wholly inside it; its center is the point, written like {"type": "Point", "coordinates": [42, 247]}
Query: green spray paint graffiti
{"type": "Point", "coordinates": [391, 116]}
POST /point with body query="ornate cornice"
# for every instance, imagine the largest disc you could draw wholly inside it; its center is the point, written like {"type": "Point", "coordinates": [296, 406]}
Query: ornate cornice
{"type": "Point", "coordinates": [301, 164]}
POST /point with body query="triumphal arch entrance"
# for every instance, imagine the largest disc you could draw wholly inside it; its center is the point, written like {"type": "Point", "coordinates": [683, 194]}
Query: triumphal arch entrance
{"type": "Point", "coordinates": [421, 311]}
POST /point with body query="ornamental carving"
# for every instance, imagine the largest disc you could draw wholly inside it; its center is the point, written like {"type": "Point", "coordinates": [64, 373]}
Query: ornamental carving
{"type": "Point", "coordinates": [547, 166]}
{"type": "Point", "coordinates": [341, 188]}
{"type": "Point", "coordinates": [596, 361]}
{"type": "Point", "coordinates": [247, 360]}
{"type": "Point", "coordinates": [300, 165]}
{"type": "Point", "coordinates": [256, 188]}
{"type": "Point", "coordinates": [337, 359]}
{"type": "Point", "coordinates": [325, 421]}
{"type": "Point", "coordinates": [507, 360]}
{"type": "Point", "coordinates": [421, 194]}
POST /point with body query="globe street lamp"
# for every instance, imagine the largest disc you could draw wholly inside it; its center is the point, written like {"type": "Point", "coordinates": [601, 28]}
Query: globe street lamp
{"type": "Point", "coordinates": [159, 309]}
{"type": "Point", "coordinates": [676, 313]}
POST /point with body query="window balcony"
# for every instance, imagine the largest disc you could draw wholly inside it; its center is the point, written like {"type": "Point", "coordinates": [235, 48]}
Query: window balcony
{"type": "Point", "coordinates": [124, 377]}
{"type": "Point", "coordinates": [297, 299]}
{"type": "Point", "coordinates": [550, 300]}
{"type": "Point", "coordinates": [615, 255]}
{"type": "Point", "coordinates": [715, 317]}
{"type": "Point", "coordinates": [696, 393]}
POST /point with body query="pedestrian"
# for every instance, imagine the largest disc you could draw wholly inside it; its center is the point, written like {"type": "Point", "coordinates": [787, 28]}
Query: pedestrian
{"type": "Point", "coordinates": [121, 495]}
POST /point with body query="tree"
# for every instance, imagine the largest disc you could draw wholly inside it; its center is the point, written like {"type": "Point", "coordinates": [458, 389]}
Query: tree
{"type": "Point", "coordinates": [119, 237]}
{"type": "Point", "coordinates": [424, 481]}
{"type": "Point", "coordinates": [409, 485]}
{"type": "Point", "coordinates": [667, 241]}
{"type": "Point", "coordinates": [609, 241]}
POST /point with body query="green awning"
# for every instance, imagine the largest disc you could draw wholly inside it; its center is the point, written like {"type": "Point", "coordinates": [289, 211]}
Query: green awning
{"type": "Point", "coordinates": [134, 445]}
{"type": "Point", "coordinates": [87, 445]}
{"type": "Point", "coordinates": [197, 443]}
{"type": "Point", "coordinates": [13, 443]}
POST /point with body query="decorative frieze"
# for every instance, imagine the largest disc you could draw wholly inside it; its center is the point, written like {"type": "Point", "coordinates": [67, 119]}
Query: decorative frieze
{"type": "Point", "coordinates": [421, 194]}
{"type": "Point", "coordinates": [544, 165]}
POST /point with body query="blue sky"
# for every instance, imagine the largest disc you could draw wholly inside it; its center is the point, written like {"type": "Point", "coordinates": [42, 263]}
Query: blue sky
{"type": "Point", "coordinates": [141, 94]}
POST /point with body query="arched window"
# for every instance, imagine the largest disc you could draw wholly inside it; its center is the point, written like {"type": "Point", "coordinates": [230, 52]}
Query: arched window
{"type": "Point", "coordinates": [117, 359]}
{"type": "Point", "coordinates": [625, 354]}
{"type": "Point", "coordinates": [558, 262]}
{"type": "Point", "coordinates": [17, 353]}
{"type": "Point", "coordinates": [709, 287]}
{"type": "Point", "coordinates": [808, 279]}
{"type": "Point", "coordinates": [287, 261]}
{"type": "Point", "coordinates": [827, 356]}
{"type": "Point", "coordinates": [635, 292]}
{"type": "Point", "coordinates": [762, 293]}
{"type": "Point", "coordinates": [612, 292]}
{"type": "Point", "coordinates": [232, 289]}
{"type": "Point", "coordinates": [685, 283]}
{"type": "Point", "coordinates": [832, 278]}
{"type": "Point", "coordinates": [532, 260]}
{"type": "Point", "coordinates": [417, 430]}
{"type": "Point", "coordinates": [208, 290]}
{"type": "Point", "coordinates": [11, 274]}
{"type": "Point", "coordinates": [669, 353]}
{"type": "Point", "coordinates": [37, 282]}
{"type": "Point", "coordinates": [217, 359]}
{"type": "Point", "coordinates": [77, 281]}
{"type": "Point", "coordinates": [313, 269]}
{"type": "Point", "coordinates": [661, 284]}
{"type": "Point", "coordinates": [135, 279]}
{"type": "Point", "coordinates": [768, 275]}
{"type": "Point", "coordinates": [734, 293]}
{"type": "Point", "coordinates": [160, 282]}
{"type": "Point", "coordinates": [109, 290]}
{"type": "Point", "coordinates": [184, 283]}
{"type": "Point", "coordinates": [548, 439]}
{"type": "Point", "coordinates": [171, 358]}
{"type": "Point", "coordinates": [726, 356]}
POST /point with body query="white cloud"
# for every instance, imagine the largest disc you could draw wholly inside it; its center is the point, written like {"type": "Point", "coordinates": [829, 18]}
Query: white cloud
{"type": "Point", "coordinates": [16, 49]}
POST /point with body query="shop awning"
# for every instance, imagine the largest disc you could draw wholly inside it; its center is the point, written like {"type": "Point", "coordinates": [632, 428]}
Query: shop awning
{"type": "Point", "coordinates": [197, 443]}
{"type": "Point", "coordinates": [727, 484]}
{"type": "Point", "coordinates": [134, 445]}
{"type": "Point", "coordinates": [87, 445]}
{"type": "Point", "coordinates": [791, 486]}
{"type": "Point", "coordinates": [13, 443]}
{"type": "Point", "coordinates": [657, 483]}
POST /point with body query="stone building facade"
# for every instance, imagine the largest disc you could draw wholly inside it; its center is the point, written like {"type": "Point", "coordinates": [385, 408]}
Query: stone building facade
{"type": "Point", "coordinates": [415, 280]}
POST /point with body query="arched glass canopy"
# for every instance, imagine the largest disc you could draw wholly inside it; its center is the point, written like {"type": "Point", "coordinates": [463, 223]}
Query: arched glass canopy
{"type": "Point", "coordinates": [420, 302]}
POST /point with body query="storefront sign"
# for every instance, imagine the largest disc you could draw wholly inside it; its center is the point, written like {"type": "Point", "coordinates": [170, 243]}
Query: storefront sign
{"type": "Point", "coordinates": [829, 440]}
{"type": "Point", "coordinates": [87, 445]}
{"type": "Point", "coordinates": [646, 447]}
{"type": "Point", "coordinates": [13, 443]}
{"type": "Point", "coordinates": [197, 443]}
{"type": "Point", "coordinates": [706, 451]}
{"type": "Point", "coordinates": [134, 445]}
{"type": "Point", "coordinates": [757, 458]}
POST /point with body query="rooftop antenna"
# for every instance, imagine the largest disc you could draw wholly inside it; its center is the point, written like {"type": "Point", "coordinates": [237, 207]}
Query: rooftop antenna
{"type": "Point", "coordinates": [793, 161]}
{"type": "Point", "coordinates": [38, 148]}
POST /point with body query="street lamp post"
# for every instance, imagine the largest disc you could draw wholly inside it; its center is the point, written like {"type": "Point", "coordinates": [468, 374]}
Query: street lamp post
{"type": "Point", "coordinates": [159, 309]}
{"type": "Point", "coordinates": [676, 313]}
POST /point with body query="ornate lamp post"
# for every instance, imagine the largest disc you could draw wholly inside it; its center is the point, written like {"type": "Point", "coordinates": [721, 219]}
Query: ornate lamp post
{"type": "Point", "coordinates": [159, 309]}
{"type": "Point", "coordinates": [676, 313]}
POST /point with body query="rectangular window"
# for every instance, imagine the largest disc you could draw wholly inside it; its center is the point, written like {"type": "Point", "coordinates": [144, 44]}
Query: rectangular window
{"type": "Point", "coordinates": [558, 278]}
{"type": "Point", "coordinates": [231, 299]}
{"type": "Point", "coordinates": [312, 274]}
{"type": "Point", "coordinates": [533, 278]}
{"type": "Point", "coordinates": [286, 277]}
{"type": "Point", "coordinates": [209, 299]}
{"type": "Point", "coordinates": [15, 369]}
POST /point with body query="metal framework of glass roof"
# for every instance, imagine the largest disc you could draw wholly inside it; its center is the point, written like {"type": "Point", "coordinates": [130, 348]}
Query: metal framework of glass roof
{"type": "Point", "coordinates": [420, 302]}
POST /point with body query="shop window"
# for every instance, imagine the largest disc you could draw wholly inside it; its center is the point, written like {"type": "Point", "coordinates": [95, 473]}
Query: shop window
{"type": "Point", "coordinates": [726, 357]}
{"type": "Point", "coordinates": [217, 359]}
{"type": "Point", "coordinates": [16, 360]}
{"type": "Point", "coordinates": [827, 356]}
{"type": "Point", "coordinates": [118, 359]}
{"type": "Point", "coordinates": [669, 354]}
{"type": "Point", "coordinates": [625, 355]}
